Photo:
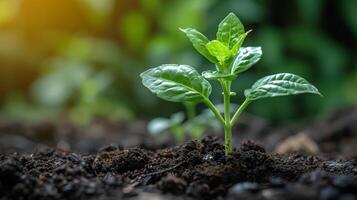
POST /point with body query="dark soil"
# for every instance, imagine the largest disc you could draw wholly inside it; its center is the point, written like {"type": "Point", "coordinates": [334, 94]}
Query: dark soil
{"type": "Point", "coordinates": [62, 161]}
{"type": "Point", "coordinates": [197, 169]}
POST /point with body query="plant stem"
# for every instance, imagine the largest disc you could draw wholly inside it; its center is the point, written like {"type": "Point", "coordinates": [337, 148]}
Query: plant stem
{"type": "Point", "coordinates": [228, 140]}
{"type": "Point", "coordinates": [227, 122]}
{"type": "Point", "coordinates": [239, 111]}
{"type": "Point", "coordinates": [179, 133]}
{"type": "Point", "coordinates": [214, 110]}
{"type": "Point", "coordinates": [227, 116]}
{"type": "Point", "coordinates": [190, 110]}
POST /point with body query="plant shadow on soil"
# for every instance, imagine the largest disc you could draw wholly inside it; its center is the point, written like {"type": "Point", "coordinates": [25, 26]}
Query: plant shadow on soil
{"type": "Point", "coordinates": [193, 170]}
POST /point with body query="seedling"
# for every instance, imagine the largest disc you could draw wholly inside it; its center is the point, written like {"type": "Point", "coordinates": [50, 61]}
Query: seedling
{"type": "Point", "coordinates": [194, 126]}
{"type": "Point", "coordinates": [172, 125]}
{"type": "Point", "coordinates": [182, 83]}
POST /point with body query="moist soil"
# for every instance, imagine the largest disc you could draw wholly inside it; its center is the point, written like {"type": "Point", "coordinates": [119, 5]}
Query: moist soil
{"type": "Point", "coordinates": [197, 169]}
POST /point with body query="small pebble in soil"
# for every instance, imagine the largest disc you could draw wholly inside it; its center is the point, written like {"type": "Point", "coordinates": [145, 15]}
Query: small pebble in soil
{"type": "Point", "coordinates": [276, 182]}
{"type": "Point", "coordinates": [208, 157]}
{"type": "Point", "coordinates": [111, 180]}
{"type": "Point", "coordinates": [346, 183]}
{"type": "Point", "coordinates": [73, 157]}
{"type": "Point", "coordinates": [354, 171]}
{"type": "Point", "coordinates": [244, 187]}
{"type": "Point", "coordinates": [328, 193]}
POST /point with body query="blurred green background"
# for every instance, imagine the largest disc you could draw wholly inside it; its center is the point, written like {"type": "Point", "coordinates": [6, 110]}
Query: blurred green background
{"type": "Point", "coordinates": [80, 59]}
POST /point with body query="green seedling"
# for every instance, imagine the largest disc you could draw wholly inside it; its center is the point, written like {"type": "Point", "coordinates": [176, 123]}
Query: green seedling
{"type": "Point", "coordinates": [194, 126]}
{"type": "Point", "coordinates": [182, 83]}
{"type": "Point", "coordinates": [172, 125]}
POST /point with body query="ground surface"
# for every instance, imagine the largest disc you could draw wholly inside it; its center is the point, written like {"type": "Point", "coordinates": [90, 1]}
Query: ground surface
{"type": "Point", "coordinates": [193, 170]}
{"type": "Point", "coordinates": [196, 169]}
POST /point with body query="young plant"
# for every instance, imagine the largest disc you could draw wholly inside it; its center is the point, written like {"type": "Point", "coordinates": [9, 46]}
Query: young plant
{"type": "Point", "coordinates": [172, 125]}
{"type": "Point", "coordinates": [182, 83]}
{"type": "Point", "coordinates": [194, 126]}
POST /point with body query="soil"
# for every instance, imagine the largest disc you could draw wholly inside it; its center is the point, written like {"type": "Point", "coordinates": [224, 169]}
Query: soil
{"type": "Point", "coordinates": [144, 169]}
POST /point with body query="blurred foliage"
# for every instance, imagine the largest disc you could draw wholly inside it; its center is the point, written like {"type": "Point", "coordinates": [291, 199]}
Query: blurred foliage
{"type": "Point", "coordinates": [80, 59]}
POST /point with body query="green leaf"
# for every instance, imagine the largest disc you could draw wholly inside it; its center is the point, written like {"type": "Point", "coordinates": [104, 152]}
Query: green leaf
{"type": "Point", "coordinates": [177, 118]}
{"type": "Point", "coordinates": [246, 58]}
{"type": "Point", "coordinates": [199, 42]}
{"type": "Point", "coordinates": [239, 43]}
{"type": "Point", "coordinates": [158, 126]}
{"type": "Point", "coordinates": [177, 83]}
{"type": "Point", "coordinates": [229, 30]}
{"type": "Point", "coordinates": [214, 75]}
{"type": "Point", "coordinates": [279, 85]}
{"type": "Point", "coordinates": [161, 125]}
{"type": "Point", "coordinates": [218, 50]}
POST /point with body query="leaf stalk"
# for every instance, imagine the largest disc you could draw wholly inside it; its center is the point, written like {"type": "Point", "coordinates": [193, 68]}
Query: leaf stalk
{"type": "Point", "coordinates": [239, 111]}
